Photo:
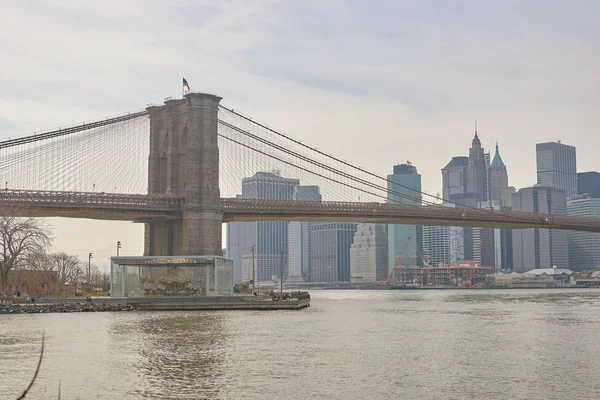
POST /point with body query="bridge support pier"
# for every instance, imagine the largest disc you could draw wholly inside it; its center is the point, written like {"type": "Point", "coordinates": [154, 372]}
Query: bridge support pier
{"type": "Point", "coordinates": [184, 161]}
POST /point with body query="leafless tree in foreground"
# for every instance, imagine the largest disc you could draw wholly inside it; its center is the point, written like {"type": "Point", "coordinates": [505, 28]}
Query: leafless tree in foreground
{"type": "Point", "coordinates": [19, 238]}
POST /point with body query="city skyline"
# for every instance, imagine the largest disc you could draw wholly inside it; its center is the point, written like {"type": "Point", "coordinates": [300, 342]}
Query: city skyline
{"type": "Point", "coordinates": [526, 72]}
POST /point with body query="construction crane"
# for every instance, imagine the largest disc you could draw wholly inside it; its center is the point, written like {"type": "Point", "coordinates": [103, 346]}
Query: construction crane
{"type": "Point", "coordinates": [397, 266]}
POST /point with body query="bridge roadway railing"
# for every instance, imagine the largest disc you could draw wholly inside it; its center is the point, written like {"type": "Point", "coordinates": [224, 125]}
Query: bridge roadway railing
{"type": "Point", "coordinates": [59, 203]}
{"type": "Point", "coordinates": [58, 199]}
{"type": "Point", "coordinates": [255, 209]}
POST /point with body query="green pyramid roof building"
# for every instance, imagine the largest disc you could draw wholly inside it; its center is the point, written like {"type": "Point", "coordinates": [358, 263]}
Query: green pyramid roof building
{"type": "Point", "coordinates": [497, 161]}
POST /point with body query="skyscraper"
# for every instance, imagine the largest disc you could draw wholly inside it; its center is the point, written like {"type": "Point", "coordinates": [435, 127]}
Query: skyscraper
{"type": "Point", "coordinates": [477, 170]}
{"type": "Point", "coordinates": [499, 189]}
{"type": "Point", "coordinates": [234, 249]}
{"type": "Point", "coordinates": [299, 237]}
{"type": "Point", "coordinates": [368, 254]}
{"type": "Point", "coordinates": [454, 179]}
{"type": "Point", "coordinates": [584, 247]}
{"type": "Point", "coordinates": [443, 244]}
{"type": "Point", "coordinates": [330, 251]}
{"type": "Point", "coordinates": [269, 237]}
{"type": "Point", "coordinates": [500, 197]}
{"type": "Point", "coordinates": [538, 247]}
{"type": "Point", "coordinates": [557, 166]}
{"type": "Point", "coordinates": [404, 181]}
{"type": "Point", "coordinates": [589, 182]}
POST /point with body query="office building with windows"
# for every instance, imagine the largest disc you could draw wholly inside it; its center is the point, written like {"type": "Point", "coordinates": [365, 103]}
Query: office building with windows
{"type": "Point", "coordinates": [269, 238]}
{"type": "Point", "coordinates": [584, 247]}
{"type": "Point", "coordinates": [299, 238]}
{"type": "Point", "coordinates": [368, 254]}
{"type": "Point", "coordinates": [538, 247]}
{"type": "Point", "coordinates": [330, 251]}
{"type": "Point", "coordinates": [557, 166]}
{"type": "Point", "coordinates": [589, 183]}
{"type": "Point", "coordinates": [405, 188]}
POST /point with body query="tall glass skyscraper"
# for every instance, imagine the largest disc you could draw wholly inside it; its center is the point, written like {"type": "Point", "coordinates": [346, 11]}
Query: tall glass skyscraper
{"type": "Point", "coordinates": [539, 247]}
{"type": "Point", "coordinates": [557, 166]}
{"type": "Point", "coordinates": [299, 237]}
{"type": "Point", "coordinates": [404, 178]}
{"type": "Point", "coordinates": [234, 248]}
{"type": "Point", "coordinates": [589, 183]}
{"type": "Point", "coordinates": [269, 237]}
{"type": "Point", "coordinates": [584, 247]}
{"type": "Point", "coordinates": [330, 251]}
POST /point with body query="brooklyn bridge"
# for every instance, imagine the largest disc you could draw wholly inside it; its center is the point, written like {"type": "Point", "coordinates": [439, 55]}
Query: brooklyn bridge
{"type": "Point", "coordinates": [177, 167]}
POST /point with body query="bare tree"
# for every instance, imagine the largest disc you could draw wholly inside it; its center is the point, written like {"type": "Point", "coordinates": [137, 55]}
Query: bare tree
{"type": "Point", "coordinates": [105, 282]}
{"type": "Point", "coordinates": [38, 262]}
{"type": "Point", "coordinates": [19, 238]}
{"type": "Point", "coordinates": [99, 279]}
{"type": "Point", "coordinates": [67, 267]}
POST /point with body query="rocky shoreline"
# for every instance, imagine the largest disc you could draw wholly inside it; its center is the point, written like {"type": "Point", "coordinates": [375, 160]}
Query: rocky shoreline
{"type": "Point", "coordinates": [62, 308]}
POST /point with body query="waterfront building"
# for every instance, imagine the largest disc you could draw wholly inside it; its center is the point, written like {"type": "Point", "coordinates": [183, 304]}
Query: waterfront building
{"type": "Point", "coordinates": [234, 249]}
{"type": "Point", "coordinates": [405, 181]}
{"type": "Point", "coordinates": [484, 247]}
{"type": "Point", "coordinates": [368, 254]}
{"type": "Point", "coordinates": [36, 283]}
{"type": "Point", "coordinates": [443, 244]}
{"type": "Point", "coordinates": [589, 183]}
{"type": "Point", "coordinates": [269, 237]}
{"type": "Point", "coordinates": [538, 247]}
{"type": "Point", "coordinates": [584, 247]}
{"type": "Point", "coordinates": [330, 251]}
{"type": "Point", "coordinates": [557, 166]}
{"type": "Point", "coordinates": [299, 238]}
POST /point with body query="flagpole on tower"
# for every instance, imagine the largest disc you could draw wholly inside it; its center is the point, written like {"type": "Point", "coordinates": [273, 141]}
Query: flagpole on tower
{"type": "Point", "coordinates": [183, 85]}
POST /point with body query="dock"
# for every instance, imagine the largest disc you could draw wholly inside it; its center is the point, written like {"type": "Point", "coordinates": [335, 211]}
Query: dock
{"type": "Point", "coordinates": [173, 303]}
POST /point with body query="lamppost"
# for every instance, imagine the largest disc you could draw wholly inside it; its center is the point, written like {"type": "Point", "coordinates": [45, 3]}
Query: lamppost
{"type": "Point", "coordinates": [253, 277]}
{"type": "Point", "coordinates": [118, 247]}
{"type": "Point", "coordinates": [90, 256]}
{"type": "Point", "coordinates": [281, 275]}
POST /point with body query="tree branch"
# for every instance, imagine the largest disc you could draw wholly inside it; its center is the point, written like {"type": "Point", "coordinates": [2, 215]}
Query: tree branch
{"type": "Point", "coordinates": [37, 370]}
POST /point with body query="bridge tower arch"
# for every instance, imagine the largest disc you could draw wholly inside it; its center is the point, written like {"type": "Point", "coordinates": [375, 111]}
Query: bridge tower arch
{"type": "Point", "coordinates": [184, 162]}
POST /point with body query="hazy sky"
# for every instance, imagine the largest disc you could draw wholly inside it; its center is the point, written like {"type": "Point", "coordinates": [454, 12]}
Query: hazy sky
{"type": "Point", "coordinates": [375, 82]}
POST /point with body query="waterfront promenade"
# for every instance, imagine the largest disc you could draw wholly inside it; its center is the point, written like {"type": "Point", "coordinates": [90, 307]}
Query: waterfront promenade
{"type": "Point", "coordinates": [293, 301]}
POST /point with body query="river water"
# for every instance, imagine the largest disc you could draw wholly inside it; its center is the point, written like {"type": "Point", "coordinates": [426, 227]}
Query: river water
{"type": "Point", "coordinates": [446, 344]}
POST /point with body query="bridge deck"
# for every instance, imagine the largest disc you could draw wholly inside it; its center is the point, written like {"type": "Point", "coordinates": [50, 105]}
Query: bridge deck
{"type": "Point", "coordinates": [140, 208]}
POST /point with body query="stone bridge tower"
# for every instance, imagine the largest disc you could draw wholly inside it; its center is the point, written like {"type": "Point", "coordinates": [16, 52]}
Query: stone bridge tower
{"type": "Point", "coordinates": [184, 162]}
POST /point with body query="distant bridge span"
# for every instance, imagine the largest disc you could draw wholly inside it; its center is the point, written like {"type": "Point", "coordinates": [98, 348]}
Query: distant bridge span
{"type": "Point", "coordinates": [146, 208]}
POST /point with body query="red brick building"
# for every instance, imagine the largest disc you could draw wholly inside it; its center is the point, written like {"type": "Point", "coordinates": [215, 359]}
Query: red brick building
{"type": "Point", "coordinates": [33, 283]}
